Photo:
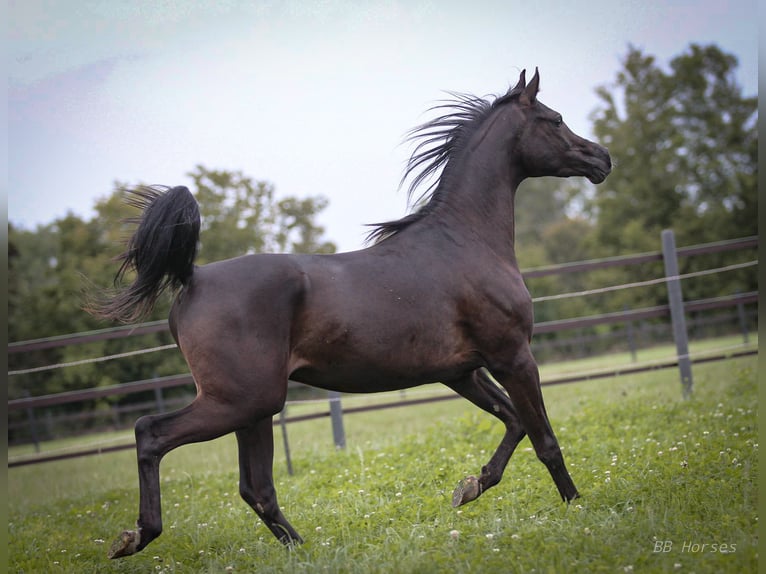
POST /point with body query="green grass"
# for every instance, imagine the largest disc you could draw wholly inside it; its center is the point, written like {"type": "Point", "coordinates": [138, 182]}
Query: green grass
{"type": "Point", "coordinates": [652, 468]}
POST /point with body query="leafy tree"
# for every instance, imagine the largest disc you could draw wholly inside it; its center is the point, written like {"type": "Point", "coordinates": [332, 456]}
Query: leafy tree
{"type": "Point", "coordinates": [540, 202]}
{"type": "Point", "coordinates": [240, 216]}
{"type": "Point", "coordinates": [52, 268]}
{"type": "Point", "coordinates": [684, 144]}
{"type": "Point", "coordinates": [296, 230]}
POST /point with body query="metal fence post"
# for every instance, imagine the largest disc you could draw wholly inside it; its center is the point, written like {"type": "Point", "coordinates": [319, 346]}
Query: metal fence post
{"type": "Point", "coordinates": [159, 399]}
{"type": "Point", "coordinates": [32, 425]}
{"type": "Point", "coordinates": [675, 298]}
{"type": "Point", "coordinates": [631, 336]}
{"type": "Point", "coordinates": [742, 321]}
{"type": "Point", "coordinates": [283, 425]}
{"type": "Point", "coordinates": [336, 414]}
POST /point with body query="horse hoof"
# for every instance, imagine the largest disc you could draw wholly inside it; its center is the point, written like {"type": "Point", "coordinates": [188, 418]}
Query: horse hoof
{"type": "Point", "coordinates": [125, 545]}
{"type": "Point", "coordinates": [467, 490]}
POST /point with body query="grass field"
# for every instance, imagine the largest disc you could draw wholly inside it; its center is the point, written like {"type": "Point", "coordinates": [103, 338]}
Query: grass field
{"type": "Point", "coordinates": [667, 485]}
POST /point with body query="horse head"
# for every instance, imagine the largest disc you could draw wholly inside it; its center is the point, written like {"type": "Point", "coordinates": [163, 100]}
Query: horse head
{"type": "Point", "coordinates": [545, 146]}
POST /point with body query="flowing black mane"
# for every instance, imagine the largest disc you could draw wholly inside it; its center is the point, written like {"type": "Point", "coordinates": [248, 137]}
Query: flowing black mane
{"type": "Point", "coordinates": [439, 140]}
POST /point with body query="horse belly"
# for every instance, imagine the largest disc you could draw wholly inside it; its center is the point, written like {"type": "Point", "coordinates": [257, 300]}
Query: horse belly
{"type": "Point", "coordinates": [391, 357]}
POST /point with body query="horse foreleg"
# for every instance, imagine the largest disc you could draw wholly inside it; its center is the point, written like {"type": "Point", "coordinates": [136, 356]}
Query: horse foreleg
{"type": "Point", "coordinates": [485, 394]}
{"type": "Point", "coordinates": [256, 485]}
{"type": "Point", "coordinates": [156, 435]}
{"type": "Point", "coordinates": [522, 381]}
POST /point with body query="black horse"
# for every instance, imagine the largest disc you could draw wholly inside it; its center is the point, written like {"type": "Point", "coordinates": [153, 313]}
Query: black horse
{"type": "Point", "coordinates": [437, 297]}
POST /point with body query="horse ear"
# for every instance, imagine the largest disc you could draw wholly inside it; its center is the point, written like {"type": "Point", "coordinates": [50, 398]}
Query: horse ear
{"type": "Point", "coordinates": [521, 83]}
{"type": "Point", "coordinates": [530, 91]}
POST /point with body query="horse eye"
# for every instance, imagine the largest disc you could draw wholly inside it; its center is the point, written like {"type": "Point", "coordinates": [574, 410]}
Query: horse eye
{"type": "Point", "coordinates": [559, 120]}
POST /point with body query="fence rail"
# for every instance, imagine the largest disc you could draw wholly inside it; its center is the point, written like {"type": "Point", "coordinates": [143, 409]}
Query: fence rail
{"type": "Point", "coordinates": [567, 379]}
{"type": "Point", "coordinates": [89, 337]}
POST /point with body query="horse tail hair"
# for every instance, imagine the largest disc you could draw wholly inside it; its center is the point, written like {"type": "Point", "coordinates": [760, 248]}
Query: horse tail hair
{"type": "Point", "coordinates": [161, 252]}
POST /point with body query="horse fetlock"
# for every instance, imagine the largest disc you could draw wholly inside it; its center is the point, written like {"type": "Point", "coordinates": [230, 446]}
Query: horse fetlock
{"type": "Point", "coordinates": [489, 477]}
{"type": "Point", "coordinates": [126, 544]}
{"type": "Point", "coordinates": [570, 497]}
{"type": "Point", "coordinates": [286, 535]}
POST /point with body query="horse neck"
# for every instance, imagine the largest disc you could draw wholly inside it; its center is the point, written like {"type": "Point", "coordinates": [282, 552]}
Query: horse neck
{"type": "Point", "coordinates": [475, 201]}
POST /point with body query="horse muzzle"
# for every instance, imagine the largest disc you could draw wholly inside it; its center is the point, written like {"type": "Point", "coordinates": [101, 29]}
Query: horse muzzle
{"type": "Point", "coordinates": [601, 166]}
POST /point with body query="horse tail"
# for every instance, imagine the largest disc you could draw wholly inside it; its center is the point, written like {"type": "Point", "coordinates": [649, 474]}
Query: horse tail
{"type": "Point", "coordinates": [161, 251]}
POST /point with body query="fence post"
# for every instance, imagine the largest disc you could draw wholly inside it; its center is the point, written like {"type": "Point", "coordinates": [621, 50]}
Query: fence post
{"type": "Point", "coordinates": [336, 414]}
{"type": "Point", "coordinates": [32, 424]}
{"type": "Point", "coordinates": [631, 336]}
{"type": "Point", "coordinates": [742, 321]}
{"type": "Point", "coordinates": [283, 425]}
{"type": "Point", "coordinates": [675, 298]}
{"type": "Point", "coordinates": [159, 399]}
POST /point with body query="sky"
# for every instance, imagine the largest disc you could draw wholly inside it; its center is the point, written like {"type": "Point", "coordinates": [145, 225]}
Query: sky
{"type": "Point", "coordinates": [312, 96]}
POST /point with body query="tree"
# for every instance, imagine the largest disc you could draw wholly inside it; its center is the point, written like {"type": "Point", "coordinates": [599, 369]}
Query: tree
{"type": "Point", "coordinates": [52, 268]}
{"type": "Point", "coordinates": [297, 232]}
{"type": "Point", "coordinates": [684, 145]}
{"type": "Point", "coordinates": [240, 216]}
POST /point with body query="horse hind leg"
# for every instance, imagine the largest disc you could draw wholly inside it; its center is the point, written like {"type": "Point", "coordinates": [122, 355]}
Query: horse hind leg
{"type": "Point", "coordinates": [485, 394]}
{"type": "Point", "coordinates": [256, 484]}
{"type": "Point", "coordinates": [156, 435]}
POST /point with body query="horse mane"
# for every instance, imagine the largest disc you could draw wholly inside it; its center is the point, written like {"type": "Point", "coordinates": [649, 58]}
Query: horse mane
{"type": "Point", "coordinates": [438, 141]}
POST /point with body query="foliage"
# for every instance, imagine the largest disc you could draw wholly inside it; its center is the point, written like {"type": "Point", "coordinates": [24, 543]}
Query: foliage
{"type": "Point", "coordinates": [684, 142]}
{"type": "Point", "coordinates": [651, 467]}
{"type": "Point", "coordinates": [242, 216]}
{"type": "Point", "coordinates": [53, 269]}
{"type": "Point", "coordinates": [684, 146]}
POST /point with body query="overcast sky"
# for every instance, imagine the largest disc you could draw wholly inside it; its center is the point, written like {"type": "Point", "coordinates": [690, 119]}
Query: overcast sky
{"type": "Point", "coordinates": [312, 96]}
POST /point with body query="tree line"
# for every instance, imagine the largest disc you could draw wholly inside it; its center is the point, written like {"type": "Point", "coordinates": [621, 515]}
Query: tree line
{"type": "Point", "coordinates": [683, 138]}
